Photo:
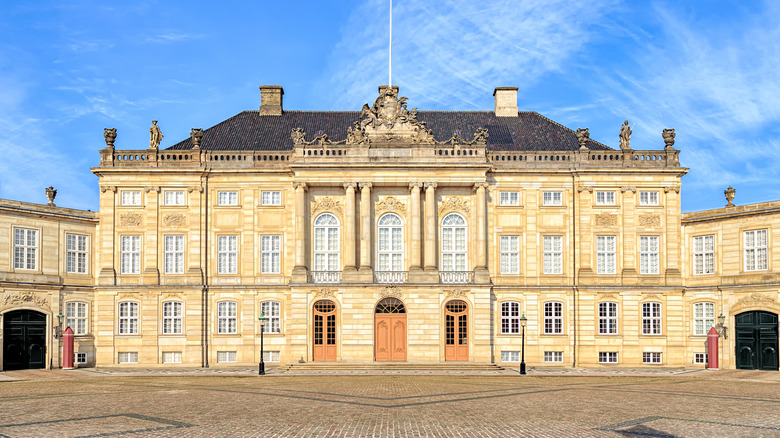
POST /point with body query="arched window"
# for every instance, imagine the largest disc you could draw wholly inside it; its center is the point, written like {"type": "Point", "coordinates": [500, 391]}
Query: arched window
{"type": "Point", "coordinates": [391, 243]}
{"type": "Point", "coordinates": [326, 243]}
{"type": "Point", "coordinates": [510, 318]}
{"type": "Point", "coordinates": [453, 243]}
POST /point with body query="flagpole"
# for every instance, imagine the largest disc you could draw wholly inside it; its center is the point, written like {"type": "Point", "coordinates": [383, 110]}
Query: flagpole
{"type": "Point", "coordinates": [390, 64]}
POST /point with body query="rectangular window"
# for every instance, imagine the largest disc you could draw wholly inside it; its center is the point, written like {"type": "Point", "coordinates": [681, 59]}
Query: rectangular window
{"type": "Point", "coordinates": [703, 255]}
{"type": "Point", "coordinates": [700, 358]}
{"type": "Point", "coordinates": [605, 198]}
{"type": "Point", "coordinates": [227, 198]}
{"type": "Point", "coordinates": [131, 197]}
{"type": "Point", "coordinates": [510, 356]}
{"type": "Point", "coordinates": [271, 310]}
{"type": "Point", "coordinates": [648, 198]}
{"type": "Point", "coordinates": [703, 318]}
{"type": "Point", "coordinates": [227, 254]}
{"type": "Point", "coordinates": [553, 254]}
{"type": "Point", "coordinates": [271, 198]}
{"type": "Point", "coordinates": [76, 317]}
{"type": "Point", "coordinates": [227, 318]}
{"type": "Point", "coordinates": [510, 318]}
{"type": "Point", "coordinates": [270, 254]}
{"type": "Point", "coordinates": [128, 357]}
{"type": "Point", "coordinates": [510, 255]}
{"type": "Point", "coordinates": [25, 248]}
{"type": "Point", "coordinates": [270, 356]}
{"type": "Point", "coordinates": [606, 254]}
{"type": "Point", "coordinates": [174, 254]}
{"type": "Point", "coordinates": [651, 318]}
{"type": "Point", "coordinates": [608, 357]}
{"type": "Point", "coordinates": [509, 198]}
{"type": "Point", "coordinates": [648, 255]}
{"type": "Point", "coordinates": [608, 319]}
{"type": "Point", "coordinates": [80, 358]}
{"type": "Point", "coordinates": [756, 250]}
{"type": "Point", "coordinates": [75, 254]}
{"type": "Point", "coordinates": [173, 318]}
{"type": "Point", "coordinates": [651, 358]}
{"type": "Point", "coordinates": [171, 357]}
{"type": "Point", "coordinates": [226, 356]}
{"type": "Point", "coordinates": [128, 318]}
{"type": "Point", "coordinates": [553, 356]}
{"type": "Point", "coordinates": [130, 254]}
{"type": "Point", "coordinates": [174, 197]}
{"type": "Point", "coordinates": [552, 198]}
{"type": "Point", "coordinates": [553, 318]}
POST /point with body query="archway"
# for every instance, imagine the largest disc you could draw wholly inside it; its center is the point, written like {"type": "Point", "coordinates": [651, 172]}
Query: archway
{"type": "Point", "coordinates": [756, 340]}
{"type": "Point", "coordinates": [390, 330]}
{"type": "Point", "coordinates": [24, 340]}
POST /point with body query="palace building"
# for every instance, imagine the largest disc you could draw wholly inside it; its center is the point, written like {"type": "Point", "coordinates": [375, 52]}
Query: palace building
{"type": "Point", "coordinates": [389, 235]}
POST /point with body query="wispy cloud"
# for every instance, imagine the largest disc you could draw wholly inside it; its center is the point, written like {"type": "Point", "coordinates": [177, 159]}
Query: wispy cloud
{"type": "Point", "coordinates": [172, 37]}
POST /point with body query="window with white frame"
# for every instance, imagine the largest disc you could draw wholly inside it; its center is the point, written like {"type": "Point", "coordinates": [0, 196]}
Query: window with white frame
{"type": "Point", "coordinates": [128, 318]}
{"type": "Point", "coordinates": [608, 357]}
{"type": "Point", "coordinates": [756, 250]}
{"type": "Point", "coordinates": [173, 318]}
{"type": "Point", "coordinates": [25, 248]}
{"type": "Point", "coordinates": [509, 198]}
{"type": "Point", "coordinates": [700, 358]}
{"type": "Point", "coordinates": [553, 356]}
{"type": "Point", "coordinates": [227, 198]}
{"type": "Point", "coordinates": [326, 243]}
{"type": "Point", "coordinates": [272, 311]}
{"type": "Point", "coordinates": [703, 318]}
{"type": "Point", "coordinates": [651, 358]}
{"type": "Point", "coordinates": [510, 356]}
{"type": "Point", "coordinates": [130, 254]}
{"type": "Point", "coordinates": [648, 198]}
{"type": "Point", "coordinates": [453, 243]}
{"type": "Point", "coordinates": [651, 318]}
{"type": "Point", "coordinates": [171, 357]}
{"type": "Point", "coordinates": [226, 356]}
{"type": "Point", "coordinates": [270, 254]}
{"type": "Point", "coordinates": [703, 255]}
{"type": "Point", "coordinates": [80, 358]}
{"type": "Point", "coordinates": [227, 318]}
{"type": "Point", "coordinates": [552, 198]}
{"type": "Point", "coordinates": [174, 254]}
{"type": "Point", "coordinates": [128, 357]}
{"type": "Point", "coordinates": [131, 197]}
{"type": "Point", "coordinates": [173, 197]}
{"type": "Point", "coordinates": [271, 356]}
{"type": "Point", "coordinates": [76, 317]}
{"type": "Point", "coordinates": [510, 318]}
{"type": "Point", "coordinates": [227, 254]}
{"type": "Point", "coordinates": [648, 255]}
{"type": "Point", "coordinates": [608, 318]}
{"type": "Point", "coordinates": [553, 318]}
{"type": "Point", "coordinates": [271, 197]}
{"type": "Point", "coordinates": [552, 247]}
{"type": "Point", "coordinates": [605, 197]}
{"type": "Point", "coordinates": [606, 249]}
{"type": "Point", "coordinates": [75, 254]}
{"type": "Point", "coordinates": [390, 251]}
{"type": "Point", "coordinates": [510, 255]}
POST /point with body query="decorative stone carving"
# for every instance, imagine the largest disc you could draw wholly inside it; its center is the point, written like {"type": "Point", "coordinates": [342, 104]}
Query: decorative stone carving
{"type": "Point", "coordinates": [171, 296]}
{"type": "Point", "coordinates": [649, 220]}
{"type": "Point", "coordinates": [357, 135]}
{"type": "Point", "coordinates": [26, 297]}
{"type": "Point", "coordinates": [625, 136]}
{"type": "Point", "coordinates": [127, 295]}
{"type": "Point", "coordinates": [104, 189]}
{"type": "Point", "coordinates": [456, 293]}
{"type": "Point", "coordinates": [326, 204]}
{"type": "Point", "coordinates": [130, 219]}
{"type": "Point", "coordinates": [301, 184]}
{"type": "Point", "coordinates": [110, 136]}
{"type": "Point", "coordinates": [606, 220]}
{"type": "Point", "coordinates": [390, 204]}
{"type": "Point", "coordinates": [152, 189]}
{"type": "Point", "coordinates": [481, 137]}
{"type": "Point", "coordinates": [51, 193]}
{"type": "Point", "coordinates": [325, 292]}
{"type": "Point", "coordinates": [155, 135]}
{"type": "Point", "coordinates": [730, 193]}
{"type": "Point", "coordinates": [198, 189]}
{"type": "Point", "coordinates": [668, 135]}
{"type": "Point", "coordinates": [584, 189]}
{"type": "Point", "coordinates": [756, 299]}
{"type": "Point", "coordinates": [412, 185]}
{"type": "Point", "coordinates": [675, 189]}
{"type": "Point", "coordinates": [391, 292]}
{"type": "Point", "coordinates": [197, 135]}
{"type": "Point", "coordinates": [298, 136]}
{"type": "Point", "coordinates": [431, 184]}
{"type": "Point", "coordinates": [368, 184]}
{"type": "Point", "coordinates": [174, 220]}
{"type": "Point", "coordinates": [628, 189]}
{"type": "Point", "coordinates": [583, 134]}
{"type": "Point", "coordinates": [609, 296]}
{"type": "Point", "coordinates": [454, 204]}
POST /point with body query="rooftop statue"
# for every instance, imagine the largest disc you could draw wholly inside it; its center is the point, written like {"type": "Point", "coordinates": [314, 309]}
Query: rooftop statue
{"type": "Point", "coordinates": [110, 135]}
{"type": "Point", "coordinates": [583, 134]}
{"type": "Point", "coordinates": [668, 135]}
{"type": "Point", "coordinates": [625, 136]}
{"type": "Point", "coordinates": [155, 135]}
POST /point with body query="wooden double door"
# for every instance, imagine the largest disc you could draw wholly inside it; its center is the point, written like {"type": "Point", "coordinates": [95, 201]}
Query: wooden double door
{"type": "Point", "coordinates": [756, 340]}
{"type": "Point", "coordinates": [390, 330]}
{"type": "Point", "coordinates": [324, 331]}
{"type": "Point", "coordinates": [456, 331]}
{"type": "Point", "coordinates": [24, 340]}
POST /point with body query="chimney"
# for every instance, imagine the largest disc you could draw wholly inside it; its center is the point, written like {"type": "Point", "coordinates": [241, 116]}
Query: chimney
{"type": "Point", "coordinates": [271, 100]}
{"type": "Point", "coordinates": [506, 101]}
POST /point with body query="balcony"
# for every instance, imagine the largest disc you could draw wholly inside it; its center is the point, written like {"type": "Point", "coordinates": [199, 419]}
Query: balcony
{"type": "Point", "coordinates": [390, 277]}
{"type": "Point", "coordinates": [456, 277]}
{"type": "Point", "coordinates": [324, 276]}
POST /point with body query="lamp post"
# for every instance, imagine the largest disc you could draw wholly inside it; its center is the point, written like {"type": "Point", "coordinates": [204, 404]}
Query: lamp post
{"type": "Point", "coordinates": [523, 319]}
{"type": "Point", "coordinates": [261, 365]}
{"type": "Point", "coordinates": [58, 327]}
{"type": "Point", "coordinates": [720, 326]}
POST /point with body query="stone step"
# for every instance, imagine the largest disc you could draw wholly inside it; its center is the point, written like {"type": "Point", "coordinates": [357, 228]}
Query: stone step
{"type": "Point", "coordinates": [389, 366]}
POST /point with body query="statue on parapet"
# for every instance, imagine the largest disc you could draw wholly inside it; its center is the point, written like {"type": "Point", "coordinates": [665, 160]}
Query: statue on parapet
{"type": "Point", "coordinates": [625, 136]}
{"type": "Point", "coordinates": [668, 136]}
{"type": "Point", "coordinates": [583, 134]}
{"type": "Point", "coordinates": [298, 136]}
{"type": "Point", "coordinates": [155, 135]}
{"type": "Point", "coordinates": [110, 136]}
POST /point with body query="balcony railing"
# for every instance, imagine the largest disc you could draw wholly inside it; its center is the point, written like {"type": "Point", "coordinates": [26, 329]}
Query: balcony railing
{"type": "Point", "coordinates": [390, 277]}
{"type": "Point", "coordinates": [325, 277]}
{"type": "Point", "coordinates": [456, 277]}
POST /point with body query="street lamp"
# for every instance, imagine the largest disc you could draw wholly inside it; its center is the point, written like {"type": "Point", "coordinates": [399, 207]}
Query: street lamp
{"type": "Point", "coordinates": [261, 365]}
{"type": "Point", "coordinates": [720, 327]}
{"type": "Point", "coordinates": [523, 319]}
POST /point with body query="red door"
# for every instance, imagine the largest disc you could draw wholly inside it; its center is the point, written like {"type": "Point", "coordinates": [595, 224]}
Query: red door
{"type": "Point", "coordinates": [456, 331]}
{"type": "Point", "coordinates": [390, 330]}
{"type": "Point", "coordinates": [324, 330]}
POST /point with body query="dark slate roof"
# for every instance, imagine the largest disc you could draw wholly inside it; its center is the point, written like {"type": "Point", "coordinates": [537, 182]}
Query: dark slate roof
{"type": "Point", "coordinates": [530, 131]}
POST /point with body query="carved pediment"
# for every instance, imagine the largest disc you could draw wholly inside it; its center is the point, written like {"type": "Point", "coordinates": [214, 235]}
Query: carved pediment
{"type": "Point", "coordinates": [26, 297]}
{"type": "Point", "coordinates": [326, 204]}
{"type": "Point", "coordinates": [606, 220]}
{"type": "Point", "coordinates": [130, 219]}
{"type": "Point", "coordinates": [454, 204]}
{"type": "Point", "coordinates": [174, 220]}
{"type": "Point", "coordinates": [756, 299]}
{"type": "Point", "coordinates": [391, 292]}
{"type": "Point", "coordinates": [391, 204]}
{"type": "Point", "coordinates": [649, 220]}
{"type": "Point", "coordinates": [325, 292]}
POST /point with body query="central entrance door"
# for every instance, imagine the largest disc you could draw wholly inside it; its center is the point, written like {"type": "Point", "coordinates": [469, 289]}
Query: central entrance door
{"type": "Point", "coordinates": [456, 331]}
{"type": "Point", "coordinates": [756, 341]}
{"type": "Point", "coordinates": [24, 334]}
{"type": "Point", "coordinates": [390, 330]}
{"type": "Point", "coordinates": [324, 330]}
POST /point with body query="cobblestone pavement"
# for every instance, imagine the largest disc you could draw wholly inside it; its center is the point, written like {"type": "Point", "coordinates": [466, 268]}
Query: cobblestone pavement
{"type": "Point", "coordinates": [234, 402]}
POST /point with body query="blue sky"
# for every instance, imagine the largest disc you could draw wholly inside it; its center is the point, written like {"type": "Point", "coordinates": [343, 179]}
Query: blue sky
{"type": "Point", "coordinates": [68, 69]}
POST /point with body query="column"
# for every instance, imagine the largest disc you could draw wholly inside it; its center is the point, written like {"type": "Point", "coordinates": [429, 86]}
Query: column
{"type": "Point", "coordinates": [673, 244]}
{"type": "Point", "coordinates": [629, 235]}
{"type": "Point", "coordinates": [430, 226]}
{"type": "Point", "coordinates": [416, 255]}
{"type": "Point", "coordinates": [151, 273]}
{"type": "Point", "coordinates": [365, 230]}
{"type": "Point", "coordinates": [299, 271]}
{"type": "Point", "coordinates": [481, 274]}
{"type": "Point", "coordinates": [349, 228]}
{"type": "Point", "coordinates": [583, 241]}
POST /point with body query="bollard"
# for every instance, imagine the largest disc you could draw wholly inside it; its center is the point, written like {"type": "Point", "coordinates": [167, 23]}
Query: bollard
{"type": "Point", "coordinates": [712, 349]}
{"type": "Point", "coordinates": [67, 349]}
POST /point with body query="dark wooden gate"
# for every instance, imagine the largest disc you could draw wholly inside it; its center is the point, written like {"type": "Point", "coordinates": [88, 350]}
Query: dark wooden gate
{"type": "Point", "coordinates": [756, 343]}
{"type": "Point", "coordinates": [24, 340]}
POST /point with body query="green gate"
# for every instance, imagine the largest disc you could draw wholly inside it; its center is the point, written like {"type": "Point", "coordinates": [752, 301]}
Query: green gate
{"type": "Point", "coordinates": [756, 342]}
